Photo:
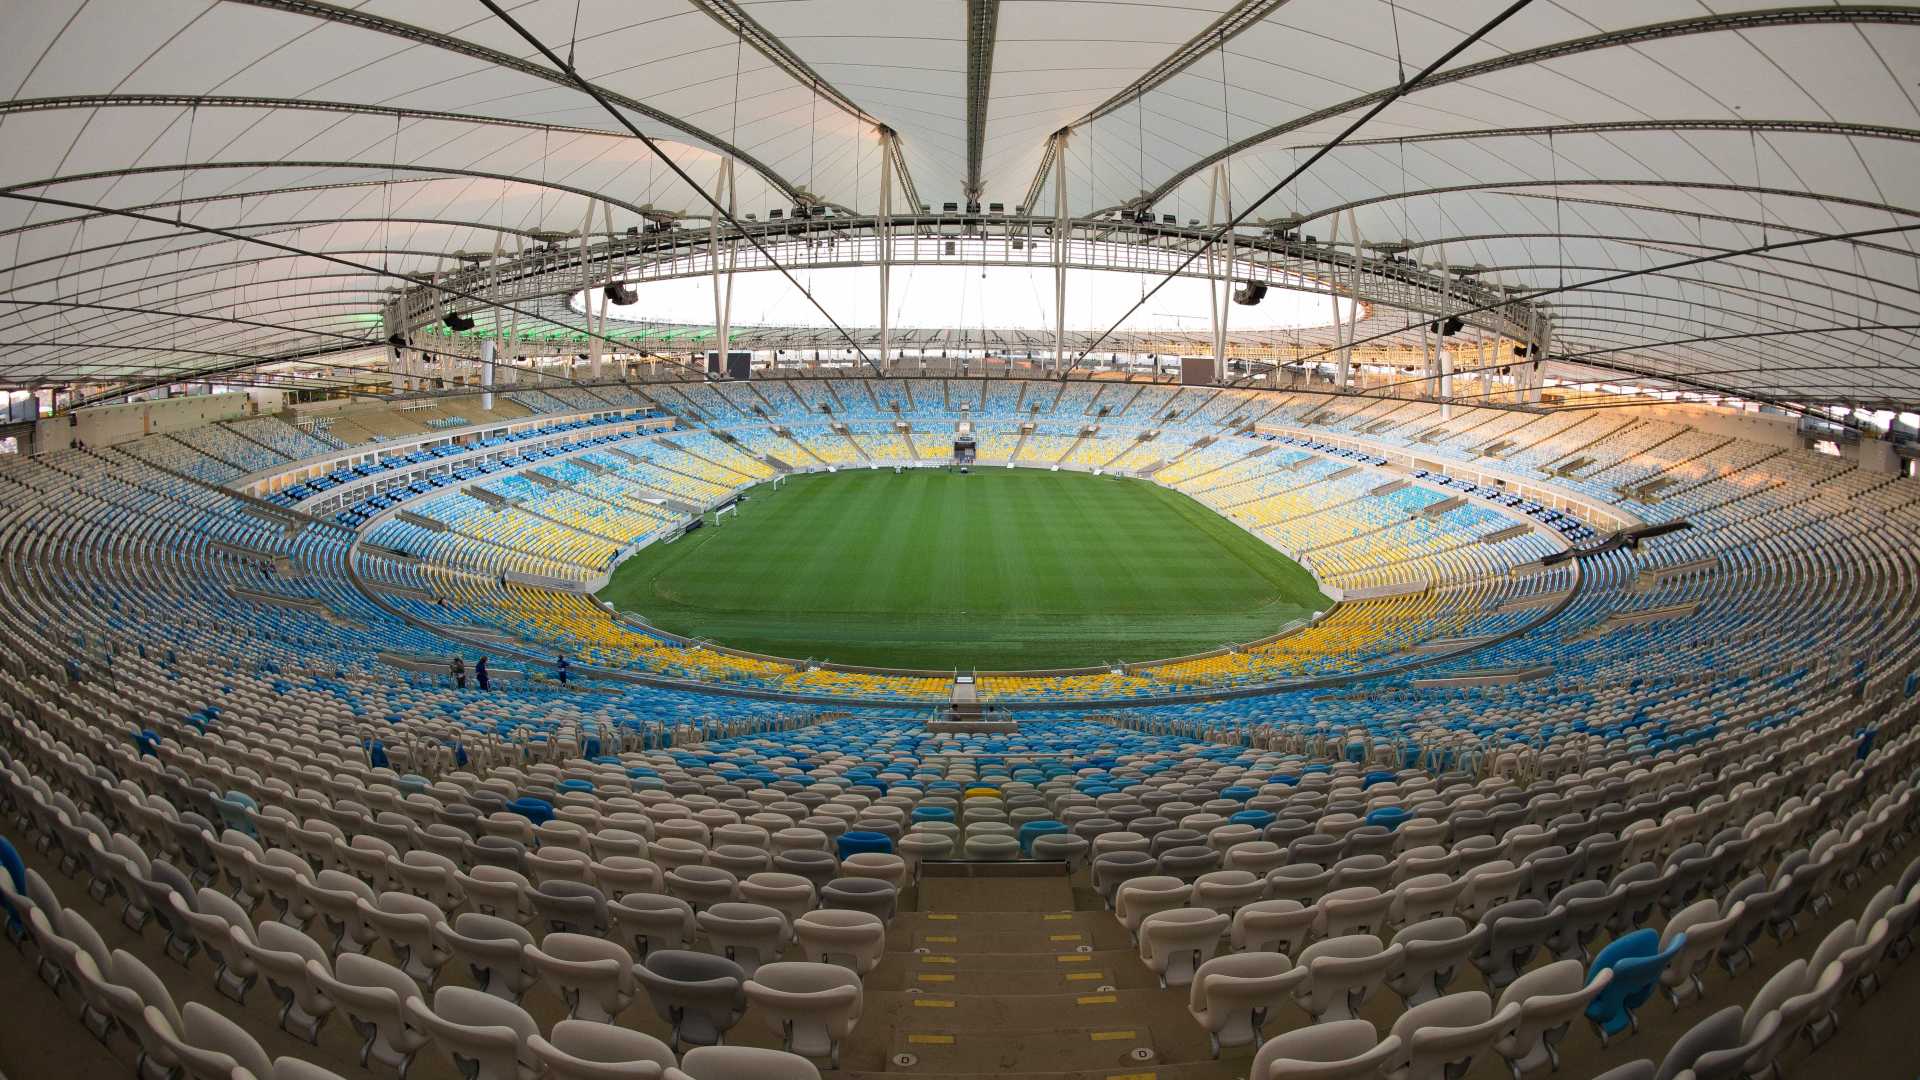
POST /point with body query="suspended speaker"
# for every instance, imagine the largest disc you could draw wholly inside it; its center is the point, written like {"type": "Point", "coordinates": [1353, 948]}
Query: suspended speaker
{"type": "Point", "coordinates": [457, 322]}
{"type": "Point", "coordinates": [1250, 294]}
{"type": "Point", "coordinates": [621, 293]}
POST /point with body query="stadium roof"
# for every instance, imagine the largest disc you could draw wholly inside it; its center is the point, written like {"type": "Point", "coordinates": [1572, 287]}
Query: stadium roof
{"type": "Point", "coordinates": [194, 183]}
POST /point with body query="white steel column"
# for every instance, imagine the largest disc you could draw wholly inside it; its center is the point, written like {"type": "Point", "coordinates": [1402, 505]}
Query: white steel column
{"type": "Point", "coordinates": [1061, 225]}
{"type": "Point", "coordinates": [722, 279]}
{"type": "Point", "coordinates": [1539, 379]}
{"type": "Point", "coordinates": [1219, 292]}
{"type": "Point", "coordinates": [886, 249]}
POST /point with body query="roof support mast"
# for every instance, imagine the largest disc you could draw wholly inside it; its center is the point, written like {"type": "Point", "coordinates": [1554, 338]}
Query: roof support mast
{"type": "Point", "coordinates": [1220, 273]}
{"type": "Point", "coordinates": [885, 238]}
{"type": "Point", "coordinates": [1062, 227]}
{"type": "Point", "coordinates": [722, 279]}
{"type": "Point", "coordinates": [983, 17]}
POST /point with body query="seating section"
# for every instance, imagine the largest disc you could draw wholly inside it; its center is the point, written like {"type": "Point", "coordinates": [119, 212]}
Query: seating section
{"type": "Point", "coordinates": [212, 890]}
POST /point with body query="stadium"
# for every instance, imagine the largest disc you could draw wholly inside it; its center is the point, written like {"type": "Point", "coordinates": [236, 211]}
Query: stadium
{"type": "Point", "coordinates": [1054, 540]}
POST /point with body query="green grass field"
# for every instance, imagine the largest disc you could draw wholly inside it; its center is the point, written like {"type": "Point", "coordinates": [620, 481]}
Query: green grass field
{"type": "Point", "coordinates": [999, 569]}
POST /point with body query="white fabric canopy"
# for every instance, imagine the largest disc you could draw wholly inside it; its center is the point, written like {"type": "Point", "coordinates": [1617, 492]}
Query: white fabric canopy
{"type": "Point", "coordinates": [367, 141]}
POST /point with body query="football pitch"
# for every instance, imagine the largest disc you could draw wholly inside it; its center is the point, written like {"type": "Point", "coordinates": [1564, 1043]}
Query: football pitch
{"type": "Point", "coordinates": [997, 569]}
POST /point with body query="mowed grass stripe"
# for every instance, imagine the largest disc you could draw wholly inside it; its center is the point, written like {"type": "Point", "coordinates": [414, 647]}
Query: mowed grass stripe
{"type": "Point", "coordinates": [998, 569]}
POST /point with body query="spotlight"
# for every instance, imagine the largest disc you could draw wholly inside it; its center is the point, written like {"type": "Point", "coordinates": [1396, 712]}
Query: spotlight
{"type": "Point", "coordinates": [619, 292]}
{"type": "Point", "coordinates": [1448, 328]}
{"type": "Point", "coordinates": [1250, 294]}
{"type": "Point", "coordinates": [457, 322]}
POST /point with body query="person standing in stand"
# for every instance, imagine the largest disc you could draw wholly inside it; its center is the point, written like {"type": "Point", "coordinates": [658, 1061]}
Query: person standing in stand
{"type": "Point", "coordinates": [560, 668]}
{"type": "Point", "coordinates": [458, 669]}
{"type": "Point", "coordinates": [480, 673]}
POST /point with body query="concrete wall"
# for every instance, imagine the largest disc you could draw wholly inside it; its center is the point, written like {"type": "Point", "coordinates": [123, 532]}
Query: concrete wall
{"type": "Point", "coordinates": [111, 424]}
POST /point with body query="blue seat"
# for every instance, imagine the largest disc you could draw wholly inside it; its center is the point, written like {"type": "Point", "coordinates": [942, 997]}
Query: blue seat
{"type": "Point", "coordinates": [16, 871]}
{"type": "Point", "coordinates": [1259, 819]}
{"type": "Point", "coordinates": [1636, 961]}
{"type": "Point", "coordinates": [233, 807]}
{"type": "Point", "coordinates": [584, 786]}
{"type": "Point", "coordinates": [932, 813]}
{"type": "Point", "coordinates": [859, 842]}
{"type": "Point", "coordinates": [1388, 816]}
{"type": "Point", "coordinates": [538, 811]}
{"type": "Point", "coordinates": [1034, 830]}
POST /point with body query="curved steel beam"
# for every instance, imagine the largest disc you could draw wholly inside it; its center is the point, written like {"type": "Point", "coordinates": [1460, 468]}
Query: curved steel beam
{"type": "Point", "coordinates": [1707, 24]}
{"type": "Point", "coordinates": [1684, 185]}
{"type": "Point", "coordinates": [768, 44]}
{"type": "Point", "coordinates": [363, 20]}
{"type": "Point", "coordinates": [236, 101]}
{"type": "Point", "coordinates": [435, 170]}
{"type": "Point", "coordinates": [1605, 127]}
{"type": "Point", "coordinates": [197, 200]}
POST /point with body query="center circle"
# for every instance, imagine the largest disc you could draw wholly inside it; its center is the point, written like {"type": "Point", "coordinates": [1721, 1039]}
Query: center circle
{"type": "Point", "coordinates": [995, 569]}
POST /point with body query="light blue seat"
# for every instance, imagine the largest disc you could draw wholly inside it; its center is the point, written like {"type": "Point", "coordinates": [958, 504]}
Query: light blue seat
{"type": "Point", "coordinates": [861, 842]}
{"type": "Point", "coordinates": [1388, 816]}
{"type": "Point", "coordinates": [538, 811]}
{"type": "Point", "coordinates": [1034, 830]}
{"type": "Point", "coordinates": [1636, 961]}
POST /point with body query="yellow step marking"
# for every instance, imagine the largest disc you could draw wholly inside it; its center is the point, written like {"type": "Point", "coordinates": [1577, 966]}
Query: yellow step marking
{"type": "Point", "coordinates": [1085, 976]}
{"type": "Point", "coordinates": [936, 960]}
{"type": "Point", "coordinates": [1110, 1036]}
{"type": "Point", "coordinates": [1072, 958]}
{"type": "Point", "coordinates": [1061, 917]}
{"type": "Point", "coordinates": [932, 1040]}
{"type": "Point", "coordinates": [1064, 937]}
{"type": "Point", "coordinates": [933, 1003]}
{"type": "Point", "coordinates": [1132, 1076]}
{"type": "Point", "coordinates": [936, 978]}
{"type": "Point", "coordinates": [1097, 999]}
{"type": "Point", "coordinates": [942, 918]}
{"type": "Point", "coordinates": [944, 940]}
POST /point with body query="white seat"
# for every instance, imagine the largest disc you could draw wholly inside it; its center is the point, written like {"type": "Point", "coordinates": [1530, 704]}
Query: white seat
{"type": "Point", "coordinates": [623, 875]}
{"type": "Point", "coordinates": [129, 989]}
{"type": "Point", "coordinates": [406, 923]}
{"type": "Point", "coordinates": [1227, 891]}
{"type": "Point", "coordinates": [1233, 995]}
{"type": "Point", "coordinates": [789, 894]}
{"type": "Point", "coordinates": [333, 894]}
{"type": "Point", "coordinates": [484, 1036]}
{"type": "Point", "coordinates": [742, 1063]}
{"type": "Point", "coordinates": [1706, 930]}
{"type": "Point", "coordinates": [813, 1007]}
{"type": "Point", "coordinates": [699, 994]}
{"type": "Point", "coordinates": [209, 1046]}
{"type": "Point", "coordinates": [498, 891]}
{"type": "Point", "coordinates": [747, 934]}
{"type": "Point", "coordinates": [1441, 1038]}
{"type": "Point", "coordinates": [491, 949]}
{"type": "Point", "coordinates": [211, 921]}
{"type": "Point", "coordinates": [644, 922]}
{"type": "Point", "coordinates": [374, 994]}
{"type": "Point", "coordinates": [1176, 942]}
{"type": "Point", "coordinates": [1436, 950]}
{"type": "Point", "coordinates": [856, 940]}
{"type": "Point", "coordinates": [1343, 973]}
{"type": "Point", "coordinates": [583, 1050]}
{"type": "Point", "coordinates": [1143, 896]}
{"type": "Point", "coordinates": [282, 955]}
{"type": "Point", "coordinates": [1273, 926]}
{"type": "Point", "coordinates": [593, 975]}
{"type": "Point", "coordinates": [1341, 1050]}
{"type": "Point", "coordinates": [873, 864]}
{"type": "Point", "coordinates": [1551, 998]}
{"type": "Point", "coordinates": [1359, 909]}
